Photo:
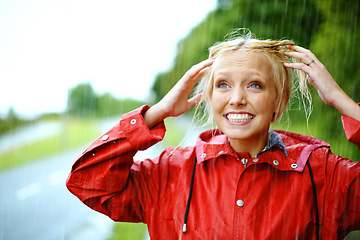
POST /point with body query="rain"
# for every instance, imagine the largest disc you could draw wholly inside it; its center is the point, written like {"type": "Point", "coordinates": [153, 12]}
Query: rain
{"type": "Point", "coordinates": [69, 70]}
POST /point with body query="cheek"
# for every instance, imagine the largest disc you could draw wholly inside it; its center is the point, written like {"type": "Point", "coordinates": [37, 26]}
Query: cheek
{"type": "Point", "coordinates": [216, 102]}
{"type": "Point", "coordinates": [265, 103]}
{"type": "Point", "coordinates": [216, 110]}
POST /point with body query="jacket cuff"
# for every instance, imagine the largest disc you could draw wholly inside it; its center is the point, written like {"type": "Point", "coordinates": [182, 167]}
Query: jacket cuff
{"type": "Point", "coordinates": [352, 129]}
{"type": "Point", "coordinates": [137, 132]}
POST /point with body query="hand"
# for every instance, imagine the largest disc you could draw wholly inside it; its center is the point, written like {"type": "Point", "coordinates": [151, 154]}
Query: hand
{"type": "Point", "coordinates": [318, 76]}
{"type": "Point", "coordinates": [176, 101]}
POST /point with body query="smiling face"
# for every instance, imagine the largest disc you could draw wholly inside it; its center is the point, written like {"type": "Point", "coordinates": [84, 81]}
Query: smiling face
{"type": "Point", "coordinates": [243, 99]}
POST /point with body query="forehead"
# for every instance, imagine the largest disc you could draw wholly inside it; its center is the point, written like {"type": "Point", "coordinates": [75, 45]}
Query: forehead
{"type": "Point", "coordinates": [243, 62]}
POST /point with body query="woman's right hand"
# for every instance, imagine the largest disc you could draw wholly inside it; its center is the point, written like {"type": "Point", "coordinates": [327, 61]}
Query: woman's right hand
{"type": "Point", "coordinates": [176, 101]}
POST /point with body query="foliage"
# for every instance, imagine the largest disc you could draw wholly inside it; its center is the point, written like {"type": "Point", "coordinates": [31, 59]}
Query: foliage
{"type": "Point", "coordinates": [267, 19]}
{"type": "Point", "coordinates": [83, 101]}
{"type": "Point", "coordinates": [11, 121]}
{"type": "Point", "coordinates": [329, 28]}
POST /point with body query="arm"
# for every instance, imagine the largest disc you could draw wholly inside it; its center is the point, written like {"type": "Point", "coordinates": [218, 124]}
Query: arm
{"type": "Point", "coordinates": [329, 91]}
{"type": "Point", "coordinates": [318, 76]}
{"type": "Point", "coordinates": [176, 101]}
{"type": "Point", "coordinates": [102, 178]}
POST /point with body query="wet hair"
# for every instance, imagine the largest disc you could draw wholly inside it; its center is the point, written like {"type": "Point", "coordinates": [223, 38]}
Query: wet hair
{"type": "Point", "coordinates": [285, 79]}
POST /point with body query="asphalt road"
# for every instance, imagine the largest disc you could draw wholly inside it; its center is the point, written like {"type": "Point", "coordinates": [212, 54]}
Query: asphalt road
{"type": "Point", "coordinates": [35, 204]}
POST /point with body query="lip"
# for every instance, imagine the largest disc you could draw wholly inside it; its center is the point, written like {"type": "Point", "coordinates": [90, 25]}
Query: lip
{"type": "Point", "coordinates": [250, 116]}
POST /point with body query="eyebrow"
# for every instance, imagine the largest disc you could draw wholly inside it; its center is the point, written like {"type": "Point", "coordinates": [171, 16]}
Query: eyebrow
{"type": "Point", "coordinates": [220, 74]}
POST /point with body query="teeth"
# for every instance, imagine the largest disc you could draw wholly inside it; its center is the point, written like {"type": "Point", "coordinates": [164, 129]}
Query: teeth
{"type": "Point", "coordinates": [239, 117]}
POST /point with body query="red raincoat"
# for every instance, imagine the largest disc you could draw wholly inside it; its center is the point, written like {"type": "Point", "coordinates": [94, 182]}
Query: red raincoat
{"type": "Point", "coordinates": [270, 198]}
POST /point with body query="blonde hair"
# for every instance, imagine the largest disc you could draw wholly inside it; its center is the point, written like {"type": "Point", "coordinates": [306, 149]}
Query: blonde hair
{"type": "Point", "coordinates": [284, 78]}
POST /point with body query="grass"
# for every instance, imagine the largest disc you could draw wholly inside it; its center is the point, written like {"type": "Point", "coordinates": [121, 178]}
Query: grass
{"type": "Point", "coordinates": [127, 231]}
{"type": "Point", "coordinates": [74, 133]}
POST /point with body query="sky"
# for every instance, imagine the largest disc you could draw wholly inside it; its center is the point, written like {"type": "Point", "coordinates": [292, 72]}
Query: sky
{"type": "Point", "coordinates": [50, 46]}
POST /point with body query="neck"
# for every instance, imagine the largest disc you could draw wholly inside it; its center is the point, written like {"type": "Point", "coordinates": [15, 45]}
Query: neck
{"type": "Point", "coordinates": [252, 146]}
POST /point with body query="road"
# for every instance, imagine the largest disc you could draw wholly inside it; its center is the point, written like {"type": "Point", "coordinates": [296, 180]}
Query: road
{"type": "Point", "coordinates": [36, 205]}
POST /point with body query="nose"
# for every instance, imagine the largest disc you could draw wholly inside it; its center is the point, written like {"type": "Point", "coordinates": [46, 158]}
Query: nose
{"type": "Point", "coordinates": [238, 98]}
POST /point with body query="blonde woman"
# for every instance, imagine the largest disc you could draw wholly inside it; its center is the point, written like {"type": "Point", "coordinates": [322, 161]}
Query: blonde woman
{"type": "Point", "coordinates": [241, 180]}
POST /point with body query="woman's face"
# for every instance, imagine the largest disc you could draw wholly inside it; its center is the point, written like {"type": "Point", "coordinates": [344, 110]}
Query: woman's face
{"type": "Point", "coordinates": [243, 98]}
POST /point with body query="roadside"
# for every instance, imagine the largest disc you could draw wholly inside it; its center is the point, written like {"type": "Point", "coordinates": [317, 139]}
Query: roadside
{"type": "Point", "coordinates": [34, 195]}
{"type": "Point", "coordinates": [37, 141]}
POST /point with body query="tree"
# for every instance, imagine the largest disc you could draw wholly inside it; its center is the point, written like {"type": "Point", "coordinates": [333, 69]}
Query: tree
{"type": "Point", "coordinates": [273, 19]}
{"type": "Point", "coordinates": [82, 101]}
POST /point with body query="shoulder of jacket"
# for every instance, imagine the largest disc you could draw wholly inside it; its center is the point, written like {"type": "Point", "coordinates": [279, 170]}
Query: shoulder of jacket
{"type": "Point", "coordinates": [301, 147]}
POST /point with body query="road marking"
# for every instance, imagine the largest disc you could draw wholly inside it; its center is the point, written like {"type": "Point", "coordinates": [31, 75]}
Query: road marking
{"type": "Point", "coordinates": [28, 191]}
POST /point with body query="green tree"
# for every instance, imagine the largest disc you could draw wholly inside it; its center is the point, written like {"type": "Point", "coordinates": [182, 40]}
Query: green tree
{"type": "Point", "coordinates": [329, 28]}
{"type": "Point", "coordinates": [294, 19]}
{"type": "Point", "coordinates": [335, 44]}
{"type": "Point", "coordinates": [82, 101]}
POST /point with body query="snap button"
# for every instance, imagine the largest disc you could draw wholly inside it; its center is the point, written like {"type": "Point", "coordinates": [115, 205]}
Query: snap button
{"type": "Point", "coordinates": [93, 154]}
{"type": "Point", "coordinates": [244, 161]}
{"type": "Point", "coordinates": [294, 165]}
{"type": "Point", "coordinates": [133, 121]}
{"type": "Point", "coordinates": [276, 162]}
{"type": "Point", "coordinates": [255, 160]}
{"type": "Point", "coordinates": [240, 203]}
{"type": "Point", "coordinates": [203, 155]}
{"type": "Point", "coordinates": [105, 137]}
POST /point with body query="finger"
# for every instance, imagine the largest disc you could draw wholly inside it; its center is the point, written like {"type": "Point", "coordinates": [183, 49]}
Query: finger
{"type": "Point", "coordinates": [298, 66]}
{"type": "Point", "coordinates": [201, 74]}
{"type": "Point", "coordinates": [196, 99]}
{"type": "Point", "coordinates": [301, 57]}
{"type": "Point", "coordinates": [196, 69]}
{"type": "Point", "coordinates": [300, 49]}
{"type": "Point", "coordinates": [304, 51]}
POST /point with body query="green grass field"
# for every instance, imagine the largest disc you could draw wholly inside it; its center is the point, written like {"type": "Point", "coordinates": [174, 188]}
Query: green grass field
{"type": "Point", "coordinates": [74, 133]}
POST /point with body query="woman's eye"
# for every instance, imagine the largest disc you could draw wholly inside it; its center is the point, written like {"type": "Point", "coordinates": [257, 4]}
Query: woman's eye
{"type": "Point", "coordinates": [256, 85]}
{"type": "Point", "coordinates": [222, 85]}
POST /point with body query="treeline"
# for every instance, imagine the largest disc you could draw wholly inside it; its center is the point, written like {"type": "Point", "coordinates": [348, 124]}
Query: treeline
{"type": "Point", "coordinates": [331, 29]}
{"type": "Point", "coordinates": [83, 101]}
{"type": "Point", "coordinates": [12, 121]}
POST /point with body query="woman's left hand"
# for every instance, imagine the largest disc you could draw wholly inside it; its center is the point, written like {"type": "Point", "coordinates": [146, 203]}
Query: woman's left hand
{"type": "Point", "coordinates": [318, 76]}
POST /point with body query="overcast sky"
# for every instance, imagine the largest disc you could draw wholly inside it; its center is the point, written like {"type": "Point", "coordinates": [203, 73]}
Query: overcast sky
{"type": "Point", "coordinates": [49, 46]}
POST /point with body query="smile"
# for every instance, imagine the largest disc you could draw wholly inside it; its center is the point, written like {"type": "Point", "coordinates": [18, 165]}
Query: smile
{"type": "Point", "coordinates": [243, 117]}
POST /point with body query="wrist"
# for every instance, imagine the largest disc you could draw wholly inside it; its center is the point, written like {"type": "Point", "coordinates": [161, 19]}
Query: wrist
{"type": "Point", "coordinates": [154, 115]}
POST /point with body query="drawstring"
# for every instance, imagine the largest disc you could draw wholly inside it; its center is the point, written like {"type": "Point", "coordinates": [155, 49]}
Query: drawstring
{"type": "Point", "coordinates": [189, 198]}
{"type": "Point", "coordinates": [184, 229]}
{"type": "Point", "coordinates": [315, 202]}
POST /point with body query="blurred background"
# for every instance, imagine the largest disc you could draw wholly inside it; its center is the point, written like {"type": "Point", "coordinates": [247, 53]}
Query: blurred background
{"type": "Point", "coordinates": [70, 69]}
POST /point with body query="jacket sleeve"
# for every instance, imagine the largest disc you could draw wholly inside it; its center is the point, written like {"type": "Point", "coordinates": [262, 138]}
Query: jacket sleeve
{"type": "Point", "coordinates": [352, 129]}
{"type": "Point", "coordinates": [342, 197]}
{"type": "Point", "coordinates": [101, 176]}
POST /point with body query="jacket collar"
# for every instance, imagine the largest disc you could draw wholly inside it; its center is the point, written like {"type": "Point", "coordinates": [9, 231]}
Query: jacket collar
{"type": "Point", "coordinates": [285, 151]}
{"type": "Point", "coordinates": [275, 140]}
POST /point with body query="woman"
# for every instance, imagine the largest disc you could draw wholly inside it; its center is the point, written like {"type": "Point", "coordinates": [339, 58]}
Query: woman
{"type": "Point", "coordinates": [241, 180]}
